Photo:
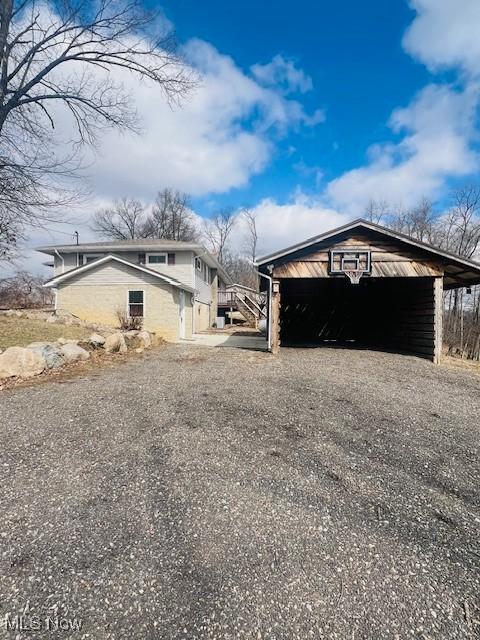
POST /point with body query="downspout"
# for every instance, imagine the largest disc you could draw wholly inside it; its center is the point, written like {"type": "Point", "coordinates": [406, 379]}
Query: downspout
{"type": "Point", "coordinates": [269, 322]}
{"type": "Point", "coordinates": [62, 259]}
{"type": "Point", "coordinates": [56, 290]}
{"type": "Point", "coordinates": [194, 295]}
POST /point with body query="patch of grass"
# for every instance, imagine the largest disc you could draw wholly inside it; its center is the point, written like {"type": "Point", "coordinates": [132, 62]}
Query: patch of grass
{"type": "Point", "coordinates": [459, 363]}
{"type": "Point", "coordinates": [21, 331]}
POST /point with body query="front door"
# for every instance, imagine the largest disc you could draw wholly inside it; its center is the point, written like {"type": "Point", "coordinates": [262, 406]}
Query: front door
{"type": "Point", "coordinates": [182, 314]}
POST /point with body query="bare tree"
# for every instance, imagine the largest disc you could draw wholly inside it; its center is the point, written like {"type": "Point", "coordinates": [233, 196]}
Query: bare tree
{"type": "Point", "coordinates": [55, 61]}
{"type": "Point", "coordinates": [247, 272]}
{"type": "Point", "coordinates": [419, 222]}
{"type": "Point", "coordinates": [251, 240]}
{"type": "Point", "coordinates": [24, 290]}
{"type": "Point", "coordinates": [461, 227]}
{"type": "Point", "coordinates": [124, 220]}
{"type": "Point", "coordinates": [11, 233]}
{"type": "Point", "coordinates": [171, 218]}
{"type": "Point", "coordinates": [217, 231]}
{"type": "Point", "coordinates": [376, 211]}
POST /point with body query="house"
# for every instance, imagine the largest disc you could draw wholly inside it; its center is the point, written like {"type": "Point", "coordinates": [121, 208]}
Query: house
{"type": "Point", "coordinates": [362, 284]}
{"type": "Point", "coordinates": [171, 285]}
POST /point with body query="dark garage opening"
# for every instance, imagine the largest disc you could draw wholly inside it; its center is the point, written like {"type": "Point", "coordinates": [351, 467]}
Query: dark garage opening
{"type": "Point", "coordinates": [394, 314]}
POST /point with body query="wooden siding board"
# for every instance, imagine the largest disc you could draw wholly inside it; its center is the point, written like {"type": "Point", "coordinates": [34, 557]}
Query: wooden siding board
{"type": "Point", "coordinates": [389, 259]}
{"type": "Point", "coordinates": [310, 269]}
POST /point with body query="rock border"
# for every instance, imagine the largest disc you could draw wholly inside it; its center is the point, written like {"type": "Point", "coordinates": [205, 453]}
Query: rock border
{"type": "Point", "coordinates": [26, 362]}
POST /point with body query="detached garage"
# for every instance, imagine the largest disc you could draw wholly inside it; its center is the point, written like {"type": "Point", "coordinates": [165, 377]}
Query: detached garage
{"type": "Point", "coordinates": [362, 285]}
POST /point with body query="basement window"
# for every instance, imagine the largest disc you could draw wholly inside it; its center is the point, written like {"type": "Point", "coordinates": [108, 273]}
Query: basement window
{"type": "Point", "coordinates": [136, 304]}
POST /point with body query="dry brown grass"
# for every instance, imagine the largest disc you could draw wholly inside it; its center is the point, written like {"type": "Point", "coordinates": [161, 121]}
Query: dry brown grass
{"type": "Point", "coordinates": [22, 331]}
{"type": "Point", "coordinates": [459, 363]}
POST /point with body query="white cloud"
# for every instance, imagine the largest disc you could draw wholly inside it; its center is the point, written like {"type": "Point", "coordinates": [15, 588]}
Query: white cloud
{"type": "Point", "coordinates": [437, 127]}
{"type": "Point", "coordinates": [445, 33]}
{"type": "Point", "coordinates": [281, 225]}
{"type": "Point", "coordinates": [282, 73]}
{"type": "Point", "coordinates": [223, 134]}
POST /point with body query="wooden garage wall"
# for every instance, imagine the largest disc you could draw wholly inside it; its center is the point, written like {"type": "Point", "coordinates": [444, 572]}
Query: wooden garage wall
{"type": "Point", "coordinates": [389, 259]}
{"type": "Point", "coordinates": [411, 316]}
{"type": "Point", "coordinates": [412, 311]}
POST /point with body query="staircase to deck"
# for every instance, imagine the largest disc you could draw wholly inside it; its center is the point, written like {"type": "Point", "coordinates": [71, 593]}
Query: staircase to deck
{"type": "Point", "coordinates": [249, 303]}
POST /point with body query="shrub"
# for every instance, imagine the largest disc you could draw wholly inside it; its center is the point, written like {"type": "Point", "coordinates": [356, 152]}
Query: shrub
{"type": "Point", "coordinates": [128, 323]}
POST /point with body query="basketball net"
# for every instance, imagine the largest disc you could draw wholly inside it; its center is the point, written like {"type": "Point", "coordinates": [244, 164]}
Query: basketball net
{"type": "Point", "coordinates": [354, 275]}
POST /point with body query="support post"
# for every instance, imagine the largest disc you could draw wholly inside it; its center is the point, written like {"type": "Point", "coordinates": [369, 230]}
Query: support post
{"type": "Point", "coordinates": [275, 316]}
{"type": "Point", "coordinates": [438, 318]}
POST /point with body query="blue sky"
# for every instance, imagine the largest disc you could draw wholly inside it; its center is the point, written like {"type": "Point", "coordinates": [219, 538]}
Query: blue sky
{"type": "Point", "coordinates": [304, 112]}
{"type": "Point", "coordinates": [352, 52]}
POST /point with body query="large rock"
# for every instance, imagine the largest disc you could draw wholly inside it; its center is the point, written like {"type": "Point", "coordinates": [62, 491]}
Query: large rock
{"type": "Point", "coordinates": [146, 338]}
{"type": "Point", "coordinates": [72, 352]}
{"type": "Point", "coordinates": [115, 343]}
{"type": "Point", "coordinates": [52, 353]}
{"type": "Point", "coordinates": [21, 362]}
{"type": "Point", "coordinates": [96, 340]}
{"type": "Point", "coordinates": [67, 341]}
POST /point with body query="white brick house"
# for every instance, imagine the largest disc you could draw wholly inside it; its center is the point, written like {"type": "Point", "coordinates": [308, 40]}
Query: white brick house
{"type": "Point", "coordinates": [171, 285]}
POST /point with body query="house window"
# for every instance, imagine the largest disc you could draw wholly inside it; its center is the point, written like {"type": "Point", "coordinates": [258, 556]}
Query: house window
{"type": "Point", "coordinates": [90, 257]}
{"type": "Point", "coordinates": [156, 258]}
{"type": "Point", "coordinates": [136, 304]}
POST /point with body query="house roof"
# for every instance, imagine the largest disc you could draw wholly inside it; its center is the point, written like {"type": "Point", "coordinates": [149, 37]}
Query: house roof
{"type": "Point", "coordinates": [146, 244]}
{"type": "Point", "coordinates": [108, 258]}
{"type": "Point", "coordinates": [459, 271]}
{"type": "Point", "coordinates": [142, 245]}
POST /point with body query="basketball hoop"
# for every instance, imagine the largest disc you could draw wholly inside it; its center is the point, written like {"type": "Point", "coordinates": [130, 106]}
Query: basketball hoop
{"type": "Point", "coordinates": [354, 275]}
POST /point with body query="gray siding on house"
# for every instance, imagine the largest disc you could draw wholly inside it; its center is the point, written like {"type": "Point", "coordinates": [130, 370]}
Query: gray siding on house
{"type": "Point", "coordinates": [113, 273]}
{"type": "Point", "coordinates": [70, 262]}
{"type": "Point", "coordinates": [182, 270]}
{"type": "Point", "coordinates": [203, 289]}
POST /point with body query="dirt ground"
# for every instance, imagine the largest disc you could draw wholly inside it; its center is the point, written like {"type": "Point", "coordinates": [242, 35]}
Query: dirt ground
{"type": "Point", "coordinates": [223, 493]}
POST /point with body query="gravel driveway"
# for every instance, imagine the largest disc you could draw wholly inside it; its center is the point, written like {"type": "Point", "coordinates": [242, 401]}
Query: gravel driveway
{"type": "Point", "coordinates": [226, 493]}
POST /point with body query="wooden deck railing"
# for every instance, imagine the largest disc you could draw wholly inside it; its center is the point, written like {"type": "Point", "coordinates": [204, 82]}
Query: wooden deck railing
{"type": "Point", "coordinates": [226, 298]}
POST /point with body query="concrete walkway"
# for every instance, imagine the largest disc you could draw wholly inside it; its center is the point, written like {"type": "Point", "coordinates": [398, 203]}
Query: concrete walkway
{"type": "Point", "coordinates": [236, 341]}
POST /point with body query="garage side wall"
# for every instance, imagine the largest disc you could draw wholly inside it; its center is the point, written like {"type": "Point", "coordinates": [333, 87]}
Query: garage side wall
{"type": "Point", "coordinates": [410, 320]}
